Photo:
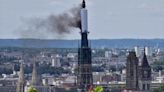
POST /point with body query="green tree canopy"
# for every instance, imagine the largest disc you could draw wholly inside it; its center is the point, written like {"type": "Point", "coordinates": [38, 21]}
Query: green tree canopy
{"type": "Point", "coordinates": [98, 89]}
{"type": "Point", "coordinates": [160, 89]}
{"type": "Point", "coordinates": [32, 89]}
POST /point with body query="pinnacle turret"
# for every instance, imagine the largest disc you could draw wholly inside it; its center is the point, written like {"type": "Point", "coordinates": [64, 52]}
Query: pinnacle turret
{"type": "Point", "coordinates": [36, 81]}
{"type": "Point", "coordinates": [83, 4]}
{"type": "Point", "coordinates": [21, 80]}
{"type": "Point", "coordinates": [144, 61]}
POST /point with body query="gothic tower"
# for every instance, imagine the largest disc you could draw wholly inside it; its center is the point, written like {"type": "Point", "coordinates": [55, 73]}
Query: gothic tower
{"type": "Point", "coordinates": [144, 75]}
{"type": "Point", "coordinates": [84, 77]}
{"type": "Point", "coordinates": [21, 80]}
{"type": "Point", "coordinates": [132, 71]}
{"type": "Point", "coordinates": [36, 80]}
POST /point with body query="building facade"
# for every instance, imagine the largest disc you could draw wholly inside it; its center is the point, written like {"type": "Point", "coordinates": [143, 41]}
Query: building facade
{"type": "Point", "coordinates": [138, 76]}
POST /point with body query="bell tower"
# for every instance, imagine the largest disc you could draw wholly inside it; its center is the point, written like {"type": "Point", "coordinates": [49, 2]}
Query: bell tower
{"type": "Point", "coordinates": [144, 75]}
{"type": "Point", "coordinates": [132, 71]}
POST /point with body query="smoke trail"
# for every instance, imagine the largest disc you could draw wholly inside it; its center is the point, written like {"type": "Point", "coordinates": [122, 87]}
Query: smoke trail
{"type": "Point", "coordinates": [65, 22]}
{"type": "Point", "coordinates": [53, 24]}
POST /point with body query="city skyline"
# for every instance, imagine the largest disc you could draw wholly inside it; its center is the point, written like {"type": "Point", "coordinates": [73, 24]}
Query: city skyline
{"type": "Point", "coordinates": [111, 19]}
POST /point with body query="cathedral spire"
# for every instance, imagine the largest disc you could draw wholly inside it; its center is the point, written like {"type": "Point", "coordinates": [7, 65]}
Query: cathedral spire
{"type": "Point", "coordinates": [21, 80]}
{"type": "Point", "coordinates": [144, 75]}
{"type": "Point", "coordinates": [35, 76]}
{"type": "Point", "coordinates": [83, 4]}
{"type": "Point", "coordinates": [144, 60]}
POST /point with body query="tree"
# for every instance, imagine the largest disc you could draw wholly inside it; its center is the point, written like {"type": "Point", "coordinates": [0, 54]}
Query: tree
{"type": "Point", "coordinates": [160, 89]}
{"type": "Point", "coordinates": [32, 89]}
{"type": "Point", "coordinates": [98, 89]}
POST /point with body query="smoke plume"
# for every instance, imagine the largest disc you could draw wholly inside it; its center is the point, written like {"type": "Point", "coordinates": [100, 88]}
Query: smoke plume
{"type": "Point", "coordinates": [53, 24]}
{"type": "Point", "coordinates": [63, 23]}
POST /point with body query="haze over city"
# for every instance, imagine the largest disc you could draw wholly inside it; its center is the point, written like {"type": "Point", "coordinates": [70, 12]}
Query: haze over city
{"type": "Point", "coordinates": [108, 19]}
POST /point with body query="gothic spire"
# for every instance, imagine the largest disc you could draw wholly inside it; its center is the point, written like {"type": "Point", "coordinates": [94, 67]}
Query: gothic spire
{"type": "Point", "coordinates": [144, 60]}
{"type": "Point", "coordinates": [21, 80]}
{"type": "Point", "coordinates": [35, 76]}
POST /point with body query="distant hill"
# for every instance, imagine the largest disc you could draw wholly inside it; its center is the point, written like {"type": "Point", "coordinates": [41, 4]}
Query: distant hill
{"type": "Point", "coordinates": [109, 43]}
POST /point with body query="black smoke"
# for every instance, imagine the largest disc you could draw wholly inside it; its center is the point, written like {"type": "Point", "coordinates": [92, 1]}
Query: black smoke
{"type": "Point", "coordinates": [61, 24]}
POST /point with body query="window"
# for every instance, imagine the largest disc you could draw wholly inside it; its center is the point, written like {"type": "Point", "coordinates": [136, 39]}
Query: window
{"type": "Point", "coordinates": [148, 86]}
{"type": "Point", "coordinates": [143, 86]}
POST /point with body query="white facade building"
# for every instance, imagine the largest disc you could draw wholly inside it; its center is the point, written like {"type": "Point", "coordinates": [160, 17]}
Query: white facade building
{"type": "Point", "coordinates": [56, 62]}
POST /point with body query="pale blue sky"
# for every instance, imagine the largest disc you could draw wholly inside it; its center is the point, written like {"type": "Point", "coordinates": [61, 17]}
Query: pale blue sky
{"type": "Point", "coordinates": [111, 19]}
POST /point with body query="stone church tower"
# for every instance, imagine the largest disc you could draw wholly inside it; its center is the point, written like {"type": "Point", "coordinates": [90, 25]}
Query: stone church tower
{"type": "Point", "coordinates": [132, 72]}
{"type": "Point", "coordinates": [144, 75]}
{"type": "Point", "coordinates": [138, 77]}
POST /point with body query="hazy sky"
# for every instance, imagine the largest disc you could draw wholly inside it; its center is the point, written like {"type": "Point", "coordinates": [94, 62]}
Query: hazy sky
{"type": "Point", "coordinates": [107, 18]}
